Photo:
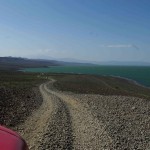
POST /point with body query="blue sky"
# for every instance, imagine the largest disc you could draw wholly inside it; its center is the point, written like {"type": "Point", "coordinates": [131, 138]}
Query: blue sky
{"type": "Point", "coordinates": [95, 30]}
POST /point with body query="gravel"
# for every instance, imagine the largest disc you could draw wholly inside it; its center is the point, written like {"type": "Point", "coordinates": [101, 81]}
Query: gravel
{"type": "Point", "coordinates": [16, 104]}
{"type": "Point", "coordinates": [127, 119]}
{"type": "Point", "coordinates": [85, 121]}
{"type": "Point", "coordinates": [72, 126]}
{"type": "Point", "coordinates": [59, 131]}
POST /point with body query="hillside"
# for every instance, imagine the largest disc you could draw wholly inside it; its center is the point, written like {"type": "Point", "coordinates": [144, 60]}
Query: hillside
{"type": "Point", "coordinates": [15, 63]}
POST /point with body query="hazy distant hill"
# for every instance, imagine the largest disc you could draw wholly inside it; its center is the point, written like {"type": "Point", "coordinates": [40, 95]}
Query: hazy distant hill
{"type": "Point", "coordinates": [13, 63]}
{"type": "Point", "coordinates": [108, 63]}
{"type": "Point", "coordinates": [16, 63]}
{"type": "Point", "coordinates": [123, 63]}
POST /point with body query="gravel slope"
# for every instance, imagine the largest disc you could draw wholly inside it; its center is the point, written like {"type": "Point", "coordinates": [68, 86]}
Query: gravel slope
{"type": "Point", "coordinates": [79, 121]}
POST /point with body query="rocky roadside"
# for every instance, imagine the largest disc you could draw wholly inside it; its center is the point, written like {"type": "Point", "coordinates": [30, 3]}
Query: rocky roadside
{"type": "Point", "coordinates": [127, 119]}
{"type": "Point", "coordinates": [16, 104]}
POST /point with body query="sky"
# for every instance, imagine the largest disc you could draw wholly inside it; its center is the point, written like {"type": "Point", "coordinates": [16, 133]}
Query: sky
{"type": "Point", "coordinates": [93, 30]}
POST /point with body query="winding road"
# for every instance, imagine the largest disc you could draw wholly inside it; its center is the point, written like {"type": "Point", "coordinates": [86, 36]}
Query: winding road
{"type": "Point", "coordinates": [62, 122]}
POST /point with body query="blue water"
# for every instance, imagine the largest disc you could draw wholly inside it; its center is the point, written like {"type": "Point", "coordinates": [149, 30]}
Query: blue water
{"type": "Point", "coordinates": [139, 74]}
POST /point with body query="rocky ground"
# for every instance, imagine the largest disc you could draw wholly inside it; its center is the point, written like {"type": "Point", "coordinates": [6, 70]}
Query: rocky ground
{"type": "Point", "coordinates": [126, 119]}
{"type": "Point", "coordinates": [87, 121]}
{"type": "Point", "coordinates": [16, 104]}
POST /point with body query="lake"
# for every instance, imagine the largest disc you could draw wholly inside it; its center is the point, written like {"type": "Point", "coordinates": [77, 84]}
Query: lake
{"type": "Point", "coordinates": [139, 74]}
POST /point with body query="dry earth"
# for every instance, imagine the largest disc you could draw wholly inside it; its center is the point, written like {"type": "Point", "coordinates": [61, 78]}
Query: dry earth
{"type": "Point", "coordinates": [79, 121]}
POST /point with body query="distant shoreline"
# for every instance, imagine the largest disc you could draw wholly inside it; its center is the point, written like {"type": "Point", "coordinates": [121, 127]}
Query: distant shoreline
{"type": "Point", "coordinates": [72, 73]}
{"type": "Point", "coordinates": [138, 75]}
{"type": "Point", "coordinates": [132, 81]}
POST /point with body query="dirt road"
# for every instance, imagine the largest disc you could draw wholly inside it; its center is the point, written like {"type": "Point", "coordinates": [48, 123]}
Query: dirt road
{"type": "Point", "coordinates": [74, 121]}
{"type": "Point", "coordinates": [63, 123]}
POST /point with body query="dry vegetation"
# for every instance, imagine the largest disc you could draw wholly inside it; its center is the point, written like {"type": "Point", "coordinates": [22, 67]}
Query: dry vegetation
{"type": "Point", "coordinates": [104, 85]}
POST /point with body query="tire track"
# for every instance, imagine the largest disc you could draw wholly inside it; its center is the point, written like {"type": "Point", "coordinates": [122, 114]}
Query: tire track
{"type": "Point", "coordinates": [59, 131]}
{"type": "Point", "coordinates": [87, 131]}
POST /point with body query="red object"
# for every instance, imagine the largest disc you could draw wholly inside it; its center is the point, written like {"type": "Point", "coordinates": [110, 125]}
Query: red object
{"type": "Point", "coordinates": [10, 140]}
